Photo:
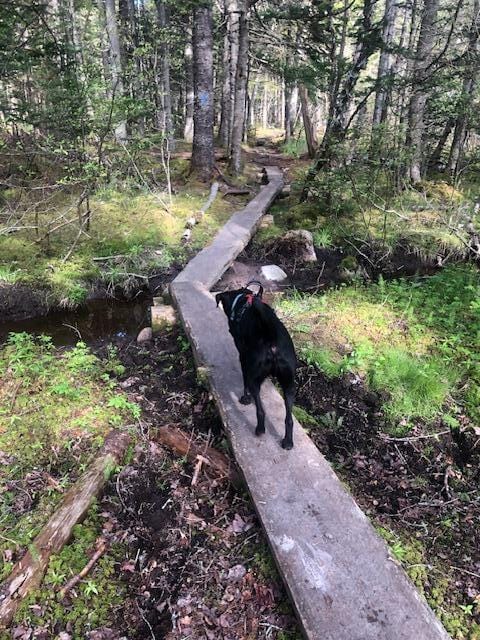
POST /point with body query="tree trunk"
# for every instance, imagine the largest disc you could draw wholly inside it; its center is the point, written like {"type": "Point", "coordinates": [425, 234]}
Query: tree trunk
{"type": "Point", "coordinates": [163, 23]}
{"type": "Point", "coordinates": [28, 573]}
{"type": "Point", "coordinates": [289, 113]}
{"type": "Point", "coordinates": [434, 159]}
{"type": "Point", "coordinates": [115, 64]}
{"type": "Point", "coordinates": [307, 122]}
{"type": "Point", "coordinates": [203, 149]}
{"type": "Point", "coordinates": [465, 102]}
{"type": "Point", "coordinates": [339, 120]}
{"type": "Point", "coordinates": [240, 92]}
{"type": "Point", "coordinates": [189, 93]}
{"type": "Point", "coordinates": [385, 63]}
{"type": "Point", "coordinates": [419, 94]}
{"type": "Point", "coordinates": [229, 61]}
{"type": "Point", "coordinates": [104, 51]}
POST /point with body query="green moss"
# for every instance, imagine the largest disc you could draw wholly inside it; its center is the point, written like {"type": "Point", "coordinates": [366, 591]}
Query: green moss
{"type": "Point", "coordinates": [138, 232]}
{"type": "Point", "coordinates": [305, 418]}
{"type": "Point", "coordinates": [411, 554]}
{"type": "Point", "coordinates": [416, 340]}
{"type": "Point", "coordinates": [93, 602]}
{"type": "Point", "coordinates": [55, 410]}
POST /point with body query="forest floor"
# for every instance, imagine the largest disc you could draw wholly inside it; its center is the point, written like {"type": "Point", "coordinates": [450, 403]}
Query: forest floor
{"type": "Point", "coordinates": [388, 390]}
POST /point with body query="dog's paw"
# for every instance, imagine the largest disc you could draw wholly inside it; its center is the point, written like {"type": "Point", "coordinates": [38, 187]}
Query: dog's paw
{"type": "Point", "coordinates": [259, 431]}
{"type": "Point", "coordinates": [245, 399]}
{"type": "Point", "coordinates": [287, 444]}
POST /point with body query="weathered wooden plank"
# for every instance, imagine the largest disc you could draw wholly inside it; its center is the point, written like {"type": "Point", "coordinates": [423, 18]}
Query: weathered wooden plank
{"type": "Point", "coordinates": [209, 264]}
{"type": "Point", "coordinates": [342, 580]}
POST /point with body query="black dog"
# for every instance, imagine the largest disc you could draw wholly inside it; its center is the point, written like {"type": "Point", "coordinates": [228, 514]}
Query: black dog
{"type": "Point", "coordinates": [265, 349]}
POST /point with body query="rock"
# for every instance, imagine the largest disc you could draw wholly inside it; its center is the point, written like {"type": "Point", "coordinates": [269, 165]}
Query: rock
{"type": "Point", "coordinates": [266, 221]}
{"type": "Point", "coordinates": [273, 273]}
{"type": "Point", "coordinates": [236, 573]}
{"type": "Point", "coordinates": [298, 243]}
{"type": "Point", "coordinates": [145, 335]}
{"type": "Point", "coordinates": [191, 222]}
{"type": "Point", "coordinates": [186, 235]}
{"type": "Point", "coordinates": [163, 315]}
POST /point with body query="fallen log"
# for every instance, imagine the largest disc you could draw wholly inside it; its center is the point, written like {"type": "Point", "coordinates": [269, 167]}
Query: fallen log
{"type": "Point", "coordinates": [181, 443]}
{"type": "Point", "coordinates": [211, 197]}
{"type": "Point", "coordinates": [236, 191]}
{"type": "Point", "coordinates": [28, 572]}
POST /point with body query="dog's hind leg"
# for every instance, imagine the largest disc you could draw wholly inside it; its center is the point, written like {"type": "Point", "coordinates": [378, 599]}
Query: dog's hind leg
{"type": "Point", "coordinates": [246, 398]}
{"type": "Point", "coordinates": [288, 388]}
{"type": "Point", "coordinates": [255, 391]}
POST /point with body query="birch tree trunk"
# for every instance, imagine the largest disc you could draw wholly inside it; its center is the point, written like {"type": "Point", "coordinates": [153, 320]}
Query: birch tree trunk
{"type": "Point", "coordinates": [189, 93]}
{"type": "Point", "coordinates": [229, 60]}
{"type": "Point", "coordinates": [385, 63]}
{"type": "Point", "coordinates": [307, 121]}
{"type": "Point", "coordinates": [115, 64]}
{"type": "Point", "coordinates": [418, 100]}
{"type": "Point", "coordinates": [240, 92]}
{"type": "Point", "coordinates": [203, 149]}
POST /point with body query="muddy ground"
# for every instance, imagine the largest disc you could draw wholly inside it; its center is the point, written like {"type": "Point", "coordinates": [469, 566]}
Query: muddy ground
{"type": "Point", "coordinates": [423, 488]}
{"type": "Point", "coordinates": [197, 564]}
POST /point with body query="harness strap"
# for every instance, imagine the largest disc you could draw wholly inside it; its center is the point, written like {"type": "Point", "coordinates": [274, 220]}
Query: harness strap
{"type": "Point", "coordinates": [248, 302]}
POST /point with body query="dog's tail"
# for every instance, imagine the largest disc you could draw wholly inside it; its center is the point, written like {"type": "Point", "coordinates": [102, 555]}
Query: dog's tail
{"type": "Point", "coordinates": [267, 318]}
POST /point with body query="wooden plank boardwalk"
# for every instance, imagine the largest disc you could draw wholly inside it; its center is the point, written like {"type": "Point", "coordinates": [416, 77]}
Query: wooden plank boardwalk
{"type": "Point", "coordinates": [341, 579]}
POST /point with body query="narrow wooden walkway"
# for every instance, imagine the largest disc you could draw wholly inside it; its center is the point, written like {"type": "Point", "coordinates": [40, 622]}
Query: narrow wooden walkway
{"type": "Point", "coordinates": [341, 578]}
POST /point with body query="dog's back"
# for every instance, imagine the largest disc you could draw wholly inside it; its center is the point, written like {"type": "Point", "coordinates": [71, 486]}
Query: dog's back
{"type": "Point", "coordinates": [265, 349]}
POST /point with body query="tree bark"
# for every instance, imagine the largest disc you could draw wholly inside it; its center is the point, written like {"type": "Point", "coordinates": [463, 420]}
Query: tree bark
{"type": "Point", "coordinates": [339, 120]}
{"type": "Point", "coordinates": [115, 64]}
{"type": "Point", "coordinates": [418, 100]}
{"type": "Point", "coordinates": [104, 50]}
{"type": "Point", "coordinates": [189, 93]}
{"type": "Point", "coordinates": [230, 59]}
{"type": "Point", "coordinates": [307, 122]}
{"type": "Point", "coordinates": [28, 573]}
{"type": "Point", "coordinates": [434, 159]}
{"type": "Point", "coordinates": [385, 63]}
{"type": "Point", "coordinates": [181, 443]}
{"type": "Point", "coordinates": [240, 92]}
{"type": "Point", "coordinates": [163, 23]}
{"type": "Point", "coordinates": [203, 148]}
{"type": "Point", "coordinates": [465, 102]}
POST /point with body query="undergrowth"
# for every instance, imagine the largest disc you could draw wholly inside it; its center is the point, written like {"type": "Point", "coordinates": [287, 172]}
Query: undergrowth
{"type": "Point", "coordinates": [417, 341]}
{"type": "Point", "coordinates": [134, 232]}
{"type": "Point", "coordinates": [94, 600]}
{"type": "Point", "coordinates": [55, 410]}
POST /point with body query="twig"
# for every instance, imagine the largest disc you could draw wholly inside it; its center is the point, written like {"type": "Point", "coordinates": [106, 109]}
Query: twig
{"type": "Point", "coordinates": [411, 438]}
{"type": "Point", "coordinates": [198, 467]}
{"type": "Point", "coordinates": [70, 326]}
{"type": "Point", "coordinates": [101, 548]}
{"type": "Point", "coordinates": [470, 573]}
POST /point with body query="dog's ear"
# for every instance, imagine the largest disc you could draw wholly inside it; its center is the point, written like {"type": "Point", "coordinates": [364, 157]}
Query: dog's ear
{"type": "Point", "coordinates": [219, 298]}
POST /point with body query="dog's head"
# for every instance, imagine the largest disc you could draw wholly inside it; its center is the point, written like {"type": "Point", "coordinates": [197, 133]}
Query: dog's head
{"type": "Point", "coordinates": [227, 298]}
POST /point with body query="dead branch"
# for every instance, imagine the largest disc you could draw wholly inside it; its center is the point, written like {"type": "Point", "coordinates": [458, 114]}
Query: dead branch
{"type": "Point", "coordinates": [178, 441]}
{"type": "Point", "coordinates": [100, 550]}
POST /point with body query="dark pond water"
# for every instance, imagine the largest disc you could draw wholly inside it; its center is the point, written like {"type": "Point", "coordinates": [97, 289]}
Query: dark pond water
{"type": "Point", "coordinates": [97, 320]}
